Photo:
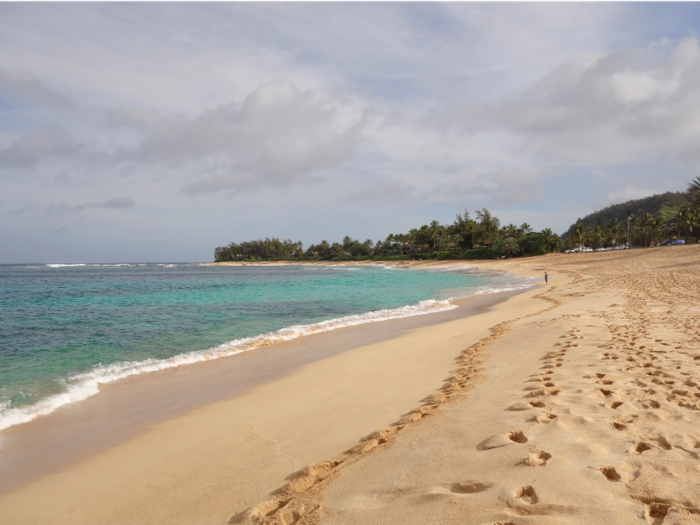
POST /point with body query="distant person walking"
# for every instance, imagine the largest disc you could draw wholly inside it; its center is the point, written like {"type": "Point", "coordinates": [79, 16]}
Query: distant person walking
{"type": "Point", "coordinates": [546, 277]}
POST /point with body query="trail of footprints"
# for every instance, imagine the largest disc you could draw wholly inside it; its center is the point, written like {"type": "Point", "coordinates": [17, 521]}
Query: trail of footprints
{"type": "Point", "coordinates": [294, 503]}
{"type": "Point", "coordinates": [654, 372]}
{"type": "Point", "coordinates": [542, 388]}
{"type": "Point", "coordinates": [648, 373]}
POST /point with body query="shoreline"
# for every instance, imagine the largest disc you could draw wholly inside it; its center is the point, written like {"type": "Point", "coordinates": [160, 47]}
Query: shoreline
{"type": "Point", "coordinates": [87, 427]}
{"type": "Point", "coordinates": [117, 372]}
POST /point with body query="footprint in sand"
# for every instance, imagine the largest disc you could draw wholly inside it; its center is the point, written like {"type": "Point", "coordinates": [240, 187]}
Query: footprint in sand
{"type": "Point", "coordinates": [545, 418]}
{"type": "Point", "coordinates": [656, 510]}
{"type": "Point", "coordinates": [642, 447]}
{"type": "Point", "coordinates": [527, 494]}
{"type": "Point", "coordinates": [538, 459]}
{"type": "Point", "coordinates": [610, 473]}
{"type": "Point", "coordinates": [517, 437]}
{"type": "Point", "coordinates": [469, 488]}
{"type": "Point", "coordinates": [663, 443]}
{"type": "Point", "coordinates": [519, 406]}
{"type": "Point", "coordinates": [544, 392]}
{"type": "Point", "coordinates": [502, 440]}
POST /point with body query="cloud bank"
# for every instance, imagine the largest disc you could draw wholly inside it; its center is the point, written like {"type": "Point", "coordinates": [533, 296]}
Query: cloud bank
{"type": "Point", "coordinates": [245, 120]}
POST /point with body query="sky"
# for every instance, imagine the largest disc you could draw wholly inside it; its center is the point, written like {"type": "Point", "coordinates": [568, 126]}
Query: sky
{"type": "Point", "coordinates": [134, 132]}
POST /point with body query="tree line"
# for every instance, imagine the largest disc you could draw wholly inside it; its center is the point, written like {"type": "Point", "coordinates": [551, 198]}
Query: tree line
{"type": "Point", "coordinates": [478, 237]}
{"type": "Point", "coordinates": [642, 231]}
{"type": "Point", "coordinates": [481, 237]}
{"type": "Point", "coordinates": [665, 205]}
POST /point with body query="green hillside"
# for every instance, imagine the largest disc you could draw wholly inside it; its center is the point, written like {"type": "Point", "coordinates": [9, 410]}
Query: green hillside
{"type": "Point", "coordinates": [666, 205]}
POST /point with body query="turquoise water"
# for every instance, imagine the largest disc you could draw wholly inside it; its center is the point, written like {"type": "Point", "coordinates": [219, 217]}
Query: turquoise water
{"type": "Point", "coordinates": [66, 329]}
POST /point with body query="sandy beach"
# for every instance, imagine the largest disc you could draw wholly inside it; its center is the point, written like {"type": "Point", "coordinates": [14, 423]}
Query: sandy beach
{"type": "Point", "coordinates": [575, 402]}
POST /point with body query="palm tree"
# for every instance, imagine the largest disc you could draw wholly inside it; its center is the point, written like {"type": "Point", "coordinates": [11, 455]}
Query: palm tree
{"type": "Point", "coordinates": [549, 238]}
{"type": "Point", "coordinates": [682, 218]}
{"type": "Point", "coordinates": [589, 236]}
{"type": "Point", "coordinates": [660, 227]}
{"type": "Point", "coordinates": [633, 222]}
{"type": "Point", "coordinates": [646, 225]}
{"type": "Point", "coordinates": [579, 235]}
{"type": "Point", "coordinates": [510, 230]}
{"type": "Point", "coordinates": [614, 231]}
{"type": "Point", "coordinates": [597, 235]}
{"type": "Point", "coordinates": [465, 226]}
{"type": "Point", "coordinates": [510, 247]}
{"type": "Point", "coordinates": [488, 225]}
{"type": "Point", "coordinates": [693, 220]}
{"type": "Point", "coordinates": [526, 228]}
{"type": "Point", "coordinates": [694, 190]}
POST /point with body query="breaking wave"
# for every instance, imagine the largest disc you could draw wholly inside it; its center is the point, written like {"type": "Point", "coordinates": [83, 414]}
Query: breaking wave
{"type": "Point", "coordinates": [82, 385]}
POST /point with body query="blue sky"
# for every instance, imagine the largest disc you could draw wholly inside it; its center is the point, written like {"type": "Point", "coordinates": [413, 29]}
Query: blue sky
{"type": "Point", "coordinates": [155, 132]}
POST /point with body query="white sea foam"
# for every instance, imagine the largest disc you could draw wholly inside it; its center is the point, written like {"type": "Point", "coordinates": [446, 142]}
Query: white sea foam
{"type": "Point", "coordinates": [81, 386]}
{"type": "Point", "coordinates": [63, 265]}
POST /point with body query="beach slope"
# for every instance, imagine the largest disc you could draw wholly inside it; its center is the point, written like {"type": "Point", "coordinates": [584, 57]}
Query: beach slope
{"type": "Point", "coordinates": [584, 412]}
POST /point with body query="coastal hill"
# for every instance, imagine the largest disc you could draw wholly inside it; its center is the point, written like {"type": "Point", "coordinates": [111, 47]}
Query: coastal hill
{"type": "Point", "coordinates": [665, 205]}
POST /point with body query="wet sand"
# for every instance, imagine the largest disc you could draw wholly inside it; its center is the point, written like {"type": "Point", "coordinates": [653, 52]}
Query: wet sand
{"type": "Point", "coordinates": [128, 408]}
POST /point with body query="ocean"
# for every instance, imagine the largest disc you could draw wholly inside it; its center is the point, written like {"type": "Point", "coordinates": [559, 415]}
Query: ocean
{"type": "Point", "coordinates": [66, 329]}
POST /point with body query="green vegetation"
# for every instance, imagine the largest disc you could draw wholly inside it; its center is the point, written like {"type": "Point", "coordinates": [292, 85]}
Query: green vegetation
{"type": "Point", "coordinates": [480, 238]}
{"type": "Point", "coordinates": [665, 206]}
{"type": "Point", "coordinates": [694, 191]}
{"type": "Point", "coordinates": [653, 219]}
{"type": "Point", "coordinates": [643, 230]}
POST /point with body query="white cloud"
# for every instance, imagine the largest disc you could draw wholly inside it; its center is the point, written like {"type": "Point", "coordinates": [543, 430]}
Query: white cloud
{"type": "Point", "coordinates": [633, 87]}
{"type": "Point", "coordinates": [626, 194]}
{"type": "Point", "coordinates": [243, 116]}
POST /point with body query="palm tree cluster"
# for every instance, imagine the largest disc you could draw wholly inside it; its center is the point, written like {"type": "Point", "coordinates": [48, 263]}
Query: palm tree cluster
{"type": "Point", "coordinates": [480, 238]}
{"type": "Point", "coordinates": [349, 248]}
{"type": "Point", "coordinates": [262, 249]}
{"type": "Point", "coordinates": [663, 205]}
{"type": "Point", "coordinates": [643, 231]}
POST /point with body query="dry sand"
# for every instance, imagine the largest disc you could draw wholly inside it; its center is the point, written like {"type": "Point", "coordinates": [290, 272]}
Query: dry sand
{"type": "Point", "coordinates": [577, 403]}
{"type": "Point", "coordinates": [585, 412]}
